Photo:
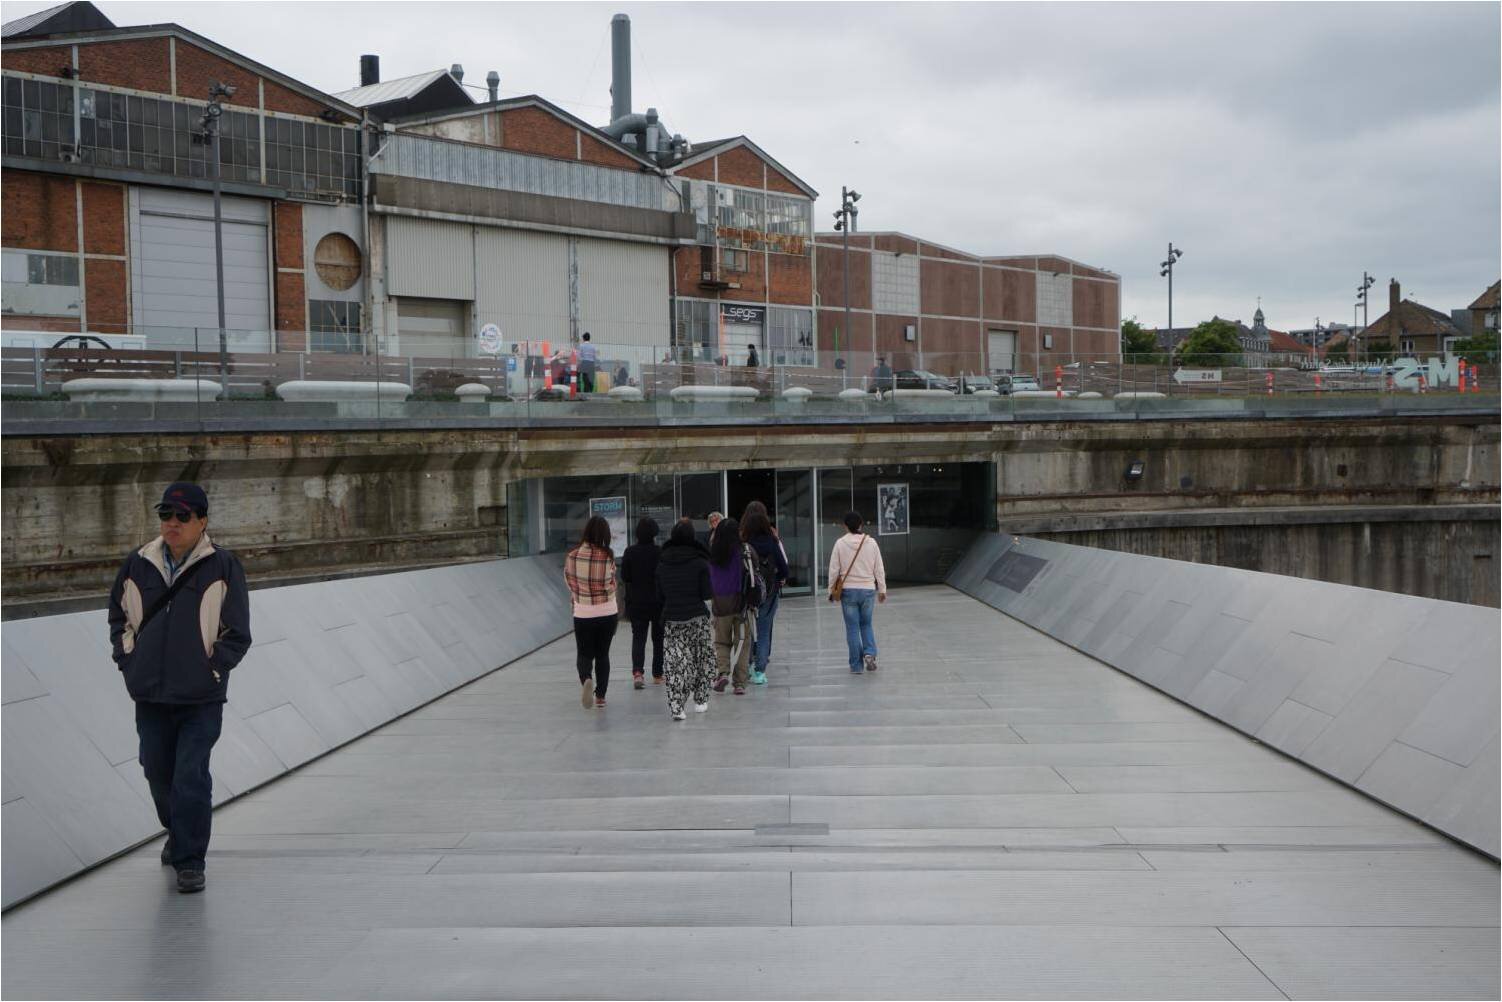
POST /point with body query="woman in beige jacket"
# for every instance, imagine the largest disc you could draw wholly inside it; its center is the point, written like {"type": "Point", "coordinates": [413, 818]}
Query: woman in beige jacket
{"type": "Point", "coordinates": [856, 564]}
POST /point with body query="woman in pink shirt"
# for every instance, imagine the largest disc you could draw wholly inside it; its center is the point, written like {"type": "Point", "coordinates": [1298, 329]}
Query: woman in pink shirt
{"type": "Point", "coordinates": [856, 564]}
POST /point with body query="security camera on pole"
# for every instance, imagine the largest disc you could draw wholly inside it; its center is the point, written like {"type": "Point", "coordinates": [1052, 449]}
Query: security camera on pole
{"type": "Point", "coordinates": [844, 221]}
{"type": "Point", "coordinates": [210, 123]}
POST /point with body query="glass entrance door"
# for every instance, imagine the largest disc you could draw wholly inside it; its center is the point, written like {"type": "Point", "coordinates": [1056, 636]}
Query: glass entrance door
{"type": "Point", "coordinates": [795, 527]}
{"type": "Point", "coordinates": [835, 500]}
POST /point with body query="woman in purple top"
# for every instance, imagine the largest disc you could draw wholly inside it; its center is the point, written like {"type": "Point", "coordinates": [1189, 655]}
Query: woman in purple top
{"type": "Point", "coordinates": [727, 570]}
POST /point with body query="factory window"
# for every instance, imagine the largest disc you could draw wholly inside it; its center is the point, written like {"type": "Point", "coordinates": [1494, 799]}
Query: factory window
{"type": "Point", "coordinates": [41, 284]}
{"type": "Point", "coordinates": [790, 337]}
{"type": "Point", "coordinates": [334, 326]}
{"type": "Point", "coordinates": [789, 223]}
{"type": "Point", "coordinates": [735, 260]}
{"type": "Point", "coordinates": [165, 135]}
{"type": "Point", "coordinates": [740, 217]}
{"type": "Point", "coordinates": [698, 333]}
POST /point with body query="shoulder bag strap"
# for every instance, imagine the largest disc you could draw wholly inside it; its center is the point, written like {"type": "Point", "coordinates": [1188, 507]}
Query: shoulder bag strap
{"type": "Point", "coordinates": [840, 582]}
{"type": "Point", "coordinates": [167, 596]}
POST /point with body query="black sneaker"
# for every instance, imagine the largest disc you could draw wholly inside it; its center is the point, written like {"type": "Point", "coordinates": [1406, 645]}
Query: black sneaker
{"type": "Point", "coordinates": [167, 853]}
{"type": "Point", "coordinates": [189, 881]}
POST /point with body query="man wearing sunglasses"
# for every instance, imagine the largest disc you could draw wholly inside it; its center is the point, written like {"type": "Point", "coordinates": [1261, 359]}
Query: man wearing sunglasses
{"type": "Point", "coordinates": [179, 621]}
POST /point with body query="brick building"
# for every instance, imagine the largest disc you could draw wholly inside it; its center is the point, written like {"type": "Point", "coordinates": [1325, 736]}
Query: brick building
{"type": "Point", "coordinates": [107, 221]}
{"type": "Point", "coordinates": [923, 305]}
{"type": "Point", "coordinates": [1411, 328]}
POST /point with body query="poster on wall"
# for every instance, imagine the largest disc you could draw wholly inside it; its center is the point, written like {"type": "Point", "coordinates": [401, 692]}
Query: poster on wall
{"type": "Point", "coordinates": [891, 510]}
{"type": "Point", "coordinates": [613, 511]}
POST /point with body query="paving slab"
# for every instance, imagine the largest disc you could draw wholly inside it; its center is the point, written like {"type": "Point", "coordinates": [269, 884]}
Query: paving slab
{"type": "Point", "coordinates": [992, 814]}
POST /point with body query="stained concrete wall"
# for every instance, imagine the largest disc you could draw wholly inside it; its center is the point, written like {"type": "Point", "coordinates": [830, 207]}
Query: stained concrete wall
{"type": "Point", "coordinates": [330, 661]}
{"type": "Point", "coordinates": [1396, 696]}
{"type": "Point", "coordinates": [321, 502]}
{"type": "Point", "coordinates": [1447, 552]}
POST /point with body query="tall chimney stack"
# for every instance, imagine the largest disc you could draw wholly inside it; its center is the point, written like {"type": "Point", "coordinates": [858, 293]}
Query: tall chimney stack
{"type": "Point", "coordinates": [493, 84]}
{"type": "Point", "coordinates": [370, 70]}
{"type": "Point", "coordinates": [1394, 295]}
{"type": "Point", "coordinates": [620, 67]}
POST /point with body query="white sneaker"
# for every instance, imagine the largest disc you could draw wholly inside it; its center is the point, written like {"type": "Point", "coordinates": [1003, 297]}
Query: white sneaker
{"type": "Point", "coordinates": [680, 715]}
{"type": "Point", "coordinates": [701, 707]}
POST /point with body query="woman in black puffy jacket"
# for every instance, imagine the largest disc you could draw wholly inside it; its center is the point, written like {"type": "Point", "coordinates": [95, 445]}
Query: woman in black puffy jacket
{"type": "Point", "coordinates": [683, 587]}
{"type": "Point", "coordinates": [639, 572]}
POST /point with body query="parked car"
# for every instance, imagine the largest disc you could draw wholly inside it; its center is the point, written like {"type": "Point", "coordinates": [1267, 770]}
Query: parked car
{"type": "Point", "coordinates": [1010, 383]}
{"type": "Point", "coordinates": [921, 379]}
{"type": "Point", "coordinates": [973, 384]}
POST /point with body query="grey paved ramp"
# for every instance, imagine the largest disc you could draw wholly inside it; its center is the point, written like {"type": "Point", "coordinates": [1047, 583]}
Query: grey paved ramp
{"type": "Point", "coordinates": [991, 815]}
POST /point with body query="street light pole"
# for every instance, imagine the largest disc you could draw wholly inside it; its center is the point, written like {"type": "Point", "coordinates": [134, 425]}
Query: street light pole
{"type": "Point", "coordinates": [844, 222]}
{"type": "Point", "coordinates": [211, 118]}
{"type": "Point", "coordinates": [1166, 268]}
{"type": "Point", "coordinates": [1367, 282]}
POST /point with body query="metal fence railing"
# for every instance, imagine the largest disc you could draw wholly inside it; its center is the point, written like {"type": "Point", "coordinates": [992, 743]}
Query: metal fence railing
{"type": "Point", "coordinates": [72, 379]}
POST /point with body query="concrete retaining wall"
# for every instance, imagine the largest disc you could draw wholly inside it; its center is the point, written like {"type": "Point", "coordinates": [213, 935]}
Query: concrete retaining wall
{"type": "Point", "coordinates": [1395, 695]}
{"type": "Point", "coordinates": [330, 662]}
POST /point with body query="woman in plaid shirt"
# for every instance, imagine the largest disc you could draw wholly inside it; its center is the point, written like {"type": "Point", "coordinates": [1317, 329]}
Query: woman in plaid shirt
{"type": "Point", "coordinates": [589, 570]}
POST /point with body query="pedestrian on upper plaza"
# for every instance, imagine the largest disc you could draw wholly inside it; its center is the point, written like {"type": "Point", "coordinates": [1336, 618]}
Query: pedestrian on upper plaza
{"type": "Point", "coordinates": [643, 607]}
{"type": "Point", "coordinates": [589, 354]}
{"type": "Point", "coordinates": [683, 587]}
{"type": "Point", "coordinates": [179, 615]}
{"type": "Point", "coordinates": [855, 565]}
{"type": "Point", "coordinates": [589, 570]}
{"type": "Point", "coordinates": [732, 625]}
{"type": "Point", "coordinates": [751, 360]}
{"type": "Point", "coordinates": [881, 374]}
{"type": "Point", "coordinates": [758, 533]}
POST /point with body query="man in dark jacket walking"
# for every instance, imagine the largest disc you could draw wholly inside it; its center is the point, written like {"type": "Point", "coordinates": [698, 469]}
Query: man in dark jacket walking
{"type": "Point", "coordinates": [179, 618]}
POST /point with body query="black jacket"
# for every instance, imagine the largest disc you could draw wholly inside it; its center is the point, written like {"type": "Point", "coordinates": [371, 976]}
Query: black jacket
{"type": "Point", "coordinates": [639, 572]}
{"type": "Point", "coordinates": [683, 581]}
{"type": "Point", "coordinates": [185, 653]}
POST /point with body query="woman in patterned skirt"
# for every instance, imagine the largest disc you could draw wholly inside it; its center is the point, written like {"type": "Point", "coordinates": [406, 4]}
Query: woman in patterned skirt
{"type": "Point", "coordinates": [688, 643]}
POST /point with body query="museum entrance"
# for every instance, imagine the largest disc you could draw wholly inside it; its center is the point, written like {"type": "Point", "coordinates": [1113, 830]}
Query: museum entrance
{"type": "Point", "coordinates": [788, 495]}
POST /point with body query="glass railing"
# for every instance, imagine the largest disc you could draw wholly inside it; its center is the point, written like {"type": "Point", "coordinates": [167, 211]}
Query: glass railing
{"type": "Point", "coordinates": [255, 377]}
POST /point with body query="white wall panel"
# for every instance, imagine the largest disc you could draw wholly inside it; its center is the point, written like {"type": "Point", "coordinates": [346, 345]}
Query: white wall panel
{"type": "Point", "coordinates": [523, 284]}
{"type": "Point", "coordinates": [429, 258]}
{"type": "Point", "coordinates": [623, 292]}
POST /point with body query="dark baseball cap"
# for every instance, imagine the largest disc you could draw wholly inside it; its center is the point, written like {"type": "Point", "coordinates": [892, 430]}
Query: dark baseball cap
{"type": "Point", "coordinates": [183, 496]}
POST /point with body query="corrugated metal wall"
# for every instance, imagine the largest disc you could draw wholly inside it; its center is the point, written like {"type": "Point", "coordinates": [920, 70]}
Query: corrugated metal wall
{"type": "Point", "coordinates": [522, 283]}
{"type": "Point", "coordinates": [424, 257]}
{"type": "Point", "coordinates": [623, 292]}
{"type": "Point", "coordinates": [432, 159]}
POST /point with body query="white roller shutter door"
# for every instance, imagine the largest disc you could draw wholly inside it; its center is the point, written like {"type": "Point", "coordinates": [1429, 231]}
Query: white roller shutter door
{"type": "Point", "coordinates": [623, 292]}
{"type": "Point", "coordinates": [522, 284]}
{"type": "Point", "coordinates": [1003, 346]}
{"type": "Point", "coordinates": [173, 280]}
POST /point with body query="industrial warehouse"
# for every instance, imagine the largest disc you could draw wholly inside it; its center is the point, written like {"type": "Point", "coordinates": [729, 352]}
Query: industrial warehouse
{"type": "Point", "coordinates": [403, 218]}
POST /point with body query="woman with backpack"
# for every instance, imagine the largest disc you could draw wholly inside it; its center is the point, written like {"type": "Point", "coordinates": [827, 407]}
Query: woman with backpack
{"type": "Point", "coordinates": [857, 580]}
{"type": "Point", "coordinates": [688, 641]}
{"type": "Point", "coordinates": [639, 574]}
{"type": "Point", "coordinates": [728, 575]}
{"type": "Point", "coordinates": [772, 563]}
{"type": "Point", "coordinates": [589, 570]}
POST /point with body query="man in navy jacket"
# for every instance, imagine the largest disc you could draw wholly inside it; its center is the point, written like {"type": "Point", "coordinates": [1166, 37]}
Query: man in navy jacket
{"type": "Point", "coordinates": [175, 650]}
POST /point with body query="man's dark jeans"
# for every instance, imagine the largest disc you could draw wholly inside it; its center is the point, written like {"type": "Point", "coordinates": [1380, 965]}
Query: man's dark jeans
{"type": "Point", "coordinates": [175, 746]}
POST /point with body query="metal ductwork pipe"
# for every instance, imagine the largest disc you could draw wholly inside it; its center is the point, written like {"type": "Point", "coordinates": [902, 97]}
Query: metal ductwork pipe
{"type": "Point", "coordinates": [370, 70]}
{"type": "Point", "coordinates": [493, 83]}
{"type": "Point", "coordinates": [620, 67]}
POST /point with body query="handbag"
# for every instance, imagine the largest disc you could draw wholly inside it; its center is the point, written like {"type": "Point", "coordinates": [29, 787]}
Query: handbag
{"type": "Point", "coordinates": [838, 588]}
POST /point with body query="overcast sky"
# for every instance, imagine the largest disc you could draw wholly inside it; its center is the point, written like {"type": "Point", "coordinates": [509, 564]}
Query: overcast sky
{"type": "Point", "coordinates": [1285, 147]}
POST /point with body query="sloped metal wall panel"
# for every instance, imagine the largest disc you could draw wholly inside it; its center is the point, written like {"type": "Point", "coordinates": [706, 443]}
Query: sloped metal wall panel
{"type": "Point", "coordinates": [623, 292]}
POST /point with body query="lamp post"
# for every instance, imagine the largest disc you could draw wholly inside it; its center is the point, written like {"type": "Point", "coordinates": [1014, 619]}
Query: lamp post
{"type": "Point", "coordinates": [210, 122]}
{"type": "Point", "coordinates": [844, 221]}
{"type": "Point", "coordinates": [1166, 270]}
{"type": "Point", "coordinates": [1367, 282]}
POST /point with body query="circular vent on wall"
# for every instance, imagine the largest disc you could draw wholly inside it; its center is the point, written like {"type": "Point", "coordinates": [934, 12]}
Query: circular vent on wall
{"type": "Point", "coordinates": [337, 261]}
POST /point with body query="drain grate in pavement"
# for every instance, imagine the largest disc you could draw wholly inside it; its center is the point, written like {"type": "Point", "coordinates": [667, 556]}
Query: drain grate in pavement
{"type": "Point", "coordinates": [798, 828]}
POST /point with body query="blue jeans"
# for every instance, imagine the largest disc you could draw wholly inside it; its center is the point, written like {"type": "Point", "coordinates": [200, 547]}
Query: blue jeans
{"type": "Point", "coordinates": [857, 604]}
{"type": "Point", "coordinates": [761, 654]}
{"type": "Point", "coordinates": [175, 746]}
